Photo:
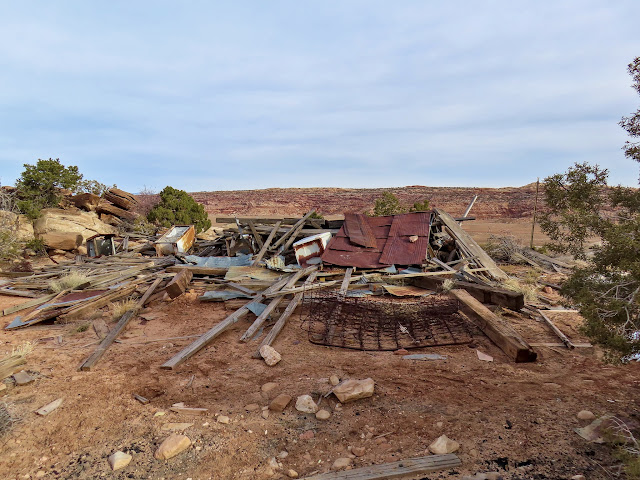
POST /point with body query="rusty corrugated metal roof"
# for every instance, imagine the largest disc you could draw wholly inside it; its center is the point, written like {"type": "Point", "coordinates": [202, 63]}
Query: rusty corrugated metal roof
{"type": "Point", "coordinates": [387, 240]}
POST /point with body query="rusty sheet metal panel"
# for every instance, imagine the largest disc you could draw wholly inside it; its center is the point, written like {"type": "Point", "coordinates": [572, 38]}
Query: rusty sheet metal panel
{"type": "Point", "coordinates": [179, 239]}
{"type": "Point", "coordinates": [342, 243]}
{"type": "Point", "coordinates": [400, 251]}
{"type": "Point", "coordinates": [411, 224]}
{"type": "Point", "coordinates": [361, 259]}
{"type": "Point", "coordinates": [357, 228]}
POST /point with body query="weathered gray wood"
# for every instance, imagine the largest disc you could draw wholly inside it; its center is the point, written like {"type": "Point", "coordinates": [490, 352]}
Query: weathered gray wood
{"type": "Point", "coordinates": [31, 303]}
{"type": "Point", "coordinates": [266, 244]}
{"type": "Point", "coordinates": [401, 468]}
{"type": "Point", "coordinates": [178, 285]}
{"type": "Point", "coordinates": [505, 337]}
{"type": "Point", "coordinates": [90, 362]}
{"type": "Point", "coordinates": [209, 336]}
{"type": "Point", "coordinates": [258, 322]}
{"type": "Point", "coordinates": [304, 288]}
{"type": "Point", "coordinates": [565, 340]}
{"type": "Point", "coordinates": [18, 293]}
{"type": "Point", "coordinates": [197, 270]}
{"type": "Point", "coordinates": [345, 281]}
{"type": "Point", "coordinates": [298, 226]}
{"type": "Point", "coordinates": [256, 235]}
{"type": "Point", "coordinates": [279, 325]}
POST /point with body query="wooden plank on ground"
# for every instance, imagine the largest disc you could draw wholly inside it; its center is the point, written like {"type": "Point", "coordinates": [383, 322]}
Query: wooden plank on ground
{"type": "Point", "coordinates": [266, 244]}
{"type": "Point", "coordinates": [505, 337]}
{"type": "Point", "coordinates": [178, 285]}
{"type": "Point", "coordinates": [279, 325]}
{"type": "Point", "coordinates": [90, 362]}
{"type": "Point", "coordinates": [197, 270]}
{"type": "Point", "coordinates": [258, 322]}
{"type": "Point", "coordinates": [470, 244]}
{"type": "Point", "coordinates": [209, 336]}
{"type": "Point", "coordinates": [565, 340]}
{"type": "Point", "coordinates": [31, 303]}
{"type": "Point", "coordinates": [401, 468]}
{"type": "Point", "coordinates": [496, 296]}
{"type": "Point", "coordinates": [18, 293]}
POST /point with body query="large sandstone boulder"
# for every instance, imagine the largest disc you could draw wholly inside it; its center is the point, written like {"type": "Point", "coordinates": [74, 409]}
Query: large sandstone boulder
{"type": "Point", "coordinates": [87, 224]}
{"type": "Point", "coordinates": [20, 225]}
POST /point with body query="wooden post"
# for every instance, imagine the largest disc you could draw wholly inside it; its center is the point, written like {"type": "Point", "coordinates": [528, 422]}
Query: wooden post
{"type": "Point", "coordinates": [535, 211]}
{"type": "Point", "coordinates": [267, 242]}
{"type": "Point", "coordinates": [178, 285]}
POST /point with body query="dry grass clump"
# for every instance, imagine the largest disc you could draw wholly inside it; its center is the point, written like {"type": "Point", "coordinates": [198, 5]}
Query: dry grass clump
{"type": "Point", "coordinates": [118, 309]}
{"type": "Point", "coordinates": [447, 285]}
{"type": "Point", "coordinates": [70, 281]}
{"type": "Point", "coordinates": [18, 356]}
{"type": "Point", "coordinates": [530, 291]}
{"type": "Point", "coordinates": [505, 248]}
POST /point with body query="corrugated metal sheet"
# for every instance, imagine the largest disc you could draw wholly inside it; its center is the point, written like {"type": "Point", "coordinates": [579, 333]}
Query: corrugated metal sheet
{"type": "Point", "coordinates": [391, 246]}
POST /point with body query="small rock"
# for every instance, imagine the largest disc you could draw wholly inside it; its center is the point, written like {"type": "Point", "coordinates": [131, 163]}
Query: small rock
{"type": "Point", "coordinates": [223, 419]}
{"type": "Point", "coordinates": [279, 403]}
{"type": "Point", "coordinates": [268, 387]}
{"type": "Point", "coordinates": [358, 451]}
{"type": "Point", "coordinates": [292, 473]}
{"type": "Point", "coordinates": [439, 424]}
{"type": "Point", "coordinates": [2, 387]}
{"type": "Point", "coordinates": [305, 404]}
{"type": "Point", "coordinates": [119, 460]}
{"type": "Point", "coordinates": [273, 463]}
{"type": "Point", "coordinates": [40, 474]}
{"type": "Point", "coordinates": [270, 355]}
{"type": "Point", "coordinates": [547, 290]}
{"type": "Point", "coordinates": [172, 446]}
{"type": "Point", "coordinates": [252, 407]}
{"type": "Point", "coordinates": [308, 435]}
{"type": "Point", "coordinates": [265, 414]}
{"type": "Point", "coordinates": [493, 476]}
{"type": "Point", "coordinates": [401, 351]}
{"type": "Point", "coordinates": [354, 390]}
{"type": "Point", "coordinates": [334, 380]}
{"type": "Point", "coordinates": [585, 415]}
{"type": "Point", "coordinates": [577, 477]}
{"type": "Point", "coordinates": [338, 407]}
{"type": "Point", "coordinates": [323, 415]}
{"type": "Point", "coordinates": [176, 426]}
{"type": "Point", "coordinates": [443, 445]}
{"type": "Point", "coordinates": [283, 454]}
{"type": "Point", "coordinates": [341, 463]}
{"type": "Point", "coordinates": [22, 378]}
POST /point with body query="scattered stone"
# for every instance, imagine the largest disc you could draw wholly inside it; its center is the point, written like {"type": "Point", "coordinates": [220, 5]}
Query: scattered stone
{"type": "Point", "coordinates": [223, 419]}
{"type": "Point", "coordinates": [358, 451]}
{"type": "Point", "coordinates": [352, 390]}
{"type": "Point", "coordinates": [268, 387]}
{"type": "Point", "coordinates": [176, 426]}
{"type": "Point", "coordinates": [265, 414]}
{"type": "Point", "coordinates": [49, 407]}
{"type": "Point", "coordinates": [401, 351]}
{"type": "Point", "coordinates": [308, 435]}
{"type": "Point", "coordinates": [270, 355]}
{"type": "Point", "coordinates": [585, 415]}
{"type": "Point", "coordinates": [334, 380]}
{"type": "Point", "coordinates": [172, 446]}
{"type": "Point", "coordinates": [292, 473]}
{"type": "Point", "coordinates": [22, 378]}
{"type": "Point", "coordinates": [273, 463]}
{"type": "Point", "coordinates": [594, 432]}
{"type": "Point", "coordinates": [547, 289]}
{"type": "Point", "coordinates": [40, 473]}
{"type": "Point", "coordinates": [159, 414]}
{"type": "Point", "coordinates": [119, 460]}
{"type": "Point", "coordinates": [338, 407]}
{"type": "Point", "coordinates": [283, 454]}
{"type": "Point", "coordinates": [323, 414]}
{"type": "Point", "coordinates": [439, 424]}
{"type": "Point", "coordinates": [578, 477]}
{"type": "Point", "coordinates": [484, 357]}
{"type": "Point", "coordinates": [443, 445]}
{"type": "Point", "coordinates": [305, 404]}
{"type": "Point", "coordinates": [252, 407]}
{"type": "Point", "coordinates": [2, 387]}
{"type": "Point", "coordinates": [279, 403]}
{"type": "Point", "coordinates": [341, 463]}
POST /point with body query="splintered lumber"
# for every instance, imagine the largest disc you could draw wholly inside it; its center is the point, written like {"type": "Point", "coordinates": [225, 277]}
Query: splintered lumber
{"type": "Point", "coordinates": [89, 363]}
{"type": "Point", "coordinates": [178, 285]}
{"type": "Point", "coordinates": [507, 339]}
{"type": "Point", "coordinates": [197, 270]}
{"type": "Point", "coordinates": [267, 242]}
{"type": "Point", "coordinates": [31, 303]}
{"type": "Point", "coordinates": [98, 302]}
{"type": "Point", "coordinates": [279, 325]}
{"type": "Point", "coordinates": [209, 336]}
{"type": "Point", "coordinates": [256, 235]}
{"type": "Point", "coordinates": [306, 288]}
{"type": "Point", "coordinates": [18, 293]}
{"type": "Point", "coordinates": [345, 281]}
{"type": "Point", "coordinates": [399, 469]}
{"type": "Point", "coordinates": [496, 296]}
{"type": "Point", "coordinates": [470, 245]}
{"type": "Point", "coordinates": [293, 230]}
{"type": "Point", "coordinates": [258, 322]}
{"type": "Point", "coordinates": [565, 340]}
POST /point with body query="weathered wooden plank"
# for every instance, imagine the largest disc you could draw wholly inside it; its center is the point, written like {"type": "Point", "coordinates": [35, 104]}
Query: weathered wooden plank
{"type": "Point", "coordinates": [266, 244]}
{"type": "Point", "coordinates": [565, 340]}
{"type": "Point", "coordinates": [18, 293]}
{"type": "Point", "coordinates": [345, 281]}
{"type": "Point", "coordinates": [209, 336]}
{"type": "Point", "coordinates": [401, 468]}
{"type": "Point", "coordinates": [304, 288]}
{"type": "Point", "coordinates": [297, 227]}
{"type": "Point", "coordinates": [496, 296]}
{"type": "Point", "coordinates": [178, 285]}
{"type": "Point", "coordinates": [89, 363]}
{"type": "Point", "coordinates": [507, 339]}
{"type": "Point", "coordinates": [256, 235]}
{"type": "Point", "coordinates": [197, 270]}
{"type": "Point", "coordinates": [31, 303]}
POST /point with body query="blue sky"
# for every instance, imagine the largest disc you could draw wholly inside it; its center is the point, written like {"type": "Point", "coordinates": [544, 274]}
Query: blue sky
{"type": "Point", "coordinates": [243, 95]}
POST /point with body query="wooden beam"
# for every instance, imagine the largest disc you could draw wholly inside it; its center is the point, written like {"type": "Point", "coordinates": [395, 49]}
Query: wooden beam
{"type": "Point", "coordinates": [402, 468]}
{"type": "Point", "coordinates": [18, 293]}
{"type": "Point", "coordinates": [89, 363]}
{"type": "Point", "coordinates": [197, 270]}
{"type": "Point", "coordinates": [345, 281]}
{"type": "Point", "coordinates": [209, 336]}
{"type": "Point", "coordinates": [256, 235]}
{"type": "Point", "coordinates": [267, 242]}
{"type": "Point", "coordinates": [279, 325]}
{"type": "Point", "coordinates": [94, 303]}
{"type": "Point", "coordinates": [178, 285]}
{"type": "Point", "coordinates": [293, 229]}
{"type": "Point", "coordinates": [507, 339]}
{"type": "Point", "coordinates": [565, 340]}
{"type": "Point", "coordinates": [31, 303]}
{"type": "Point", "coordinates": [273, 304]}
{"type": "Point", "coordinates": [496, 296]}
{"type": "Point", "coordinates": [304, 288]}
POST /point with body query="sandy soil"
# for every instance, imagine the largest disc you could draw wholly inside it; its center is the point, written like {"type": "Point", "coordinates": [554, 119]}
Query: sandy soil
{"type": "Point", "coordinates": [517, 419]}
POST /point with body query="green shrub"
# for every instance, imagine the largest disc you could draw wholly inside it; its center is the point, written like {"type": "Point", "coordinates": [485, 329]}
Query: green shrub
{"type": "Point", "coordinates": [420, 206]}
{"type": "Point", "coordinates": [176, 207]}
{"type": "Point", "coordinates": [37, 245]}
{"type": "Point", "coordinates": [388, 204]}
